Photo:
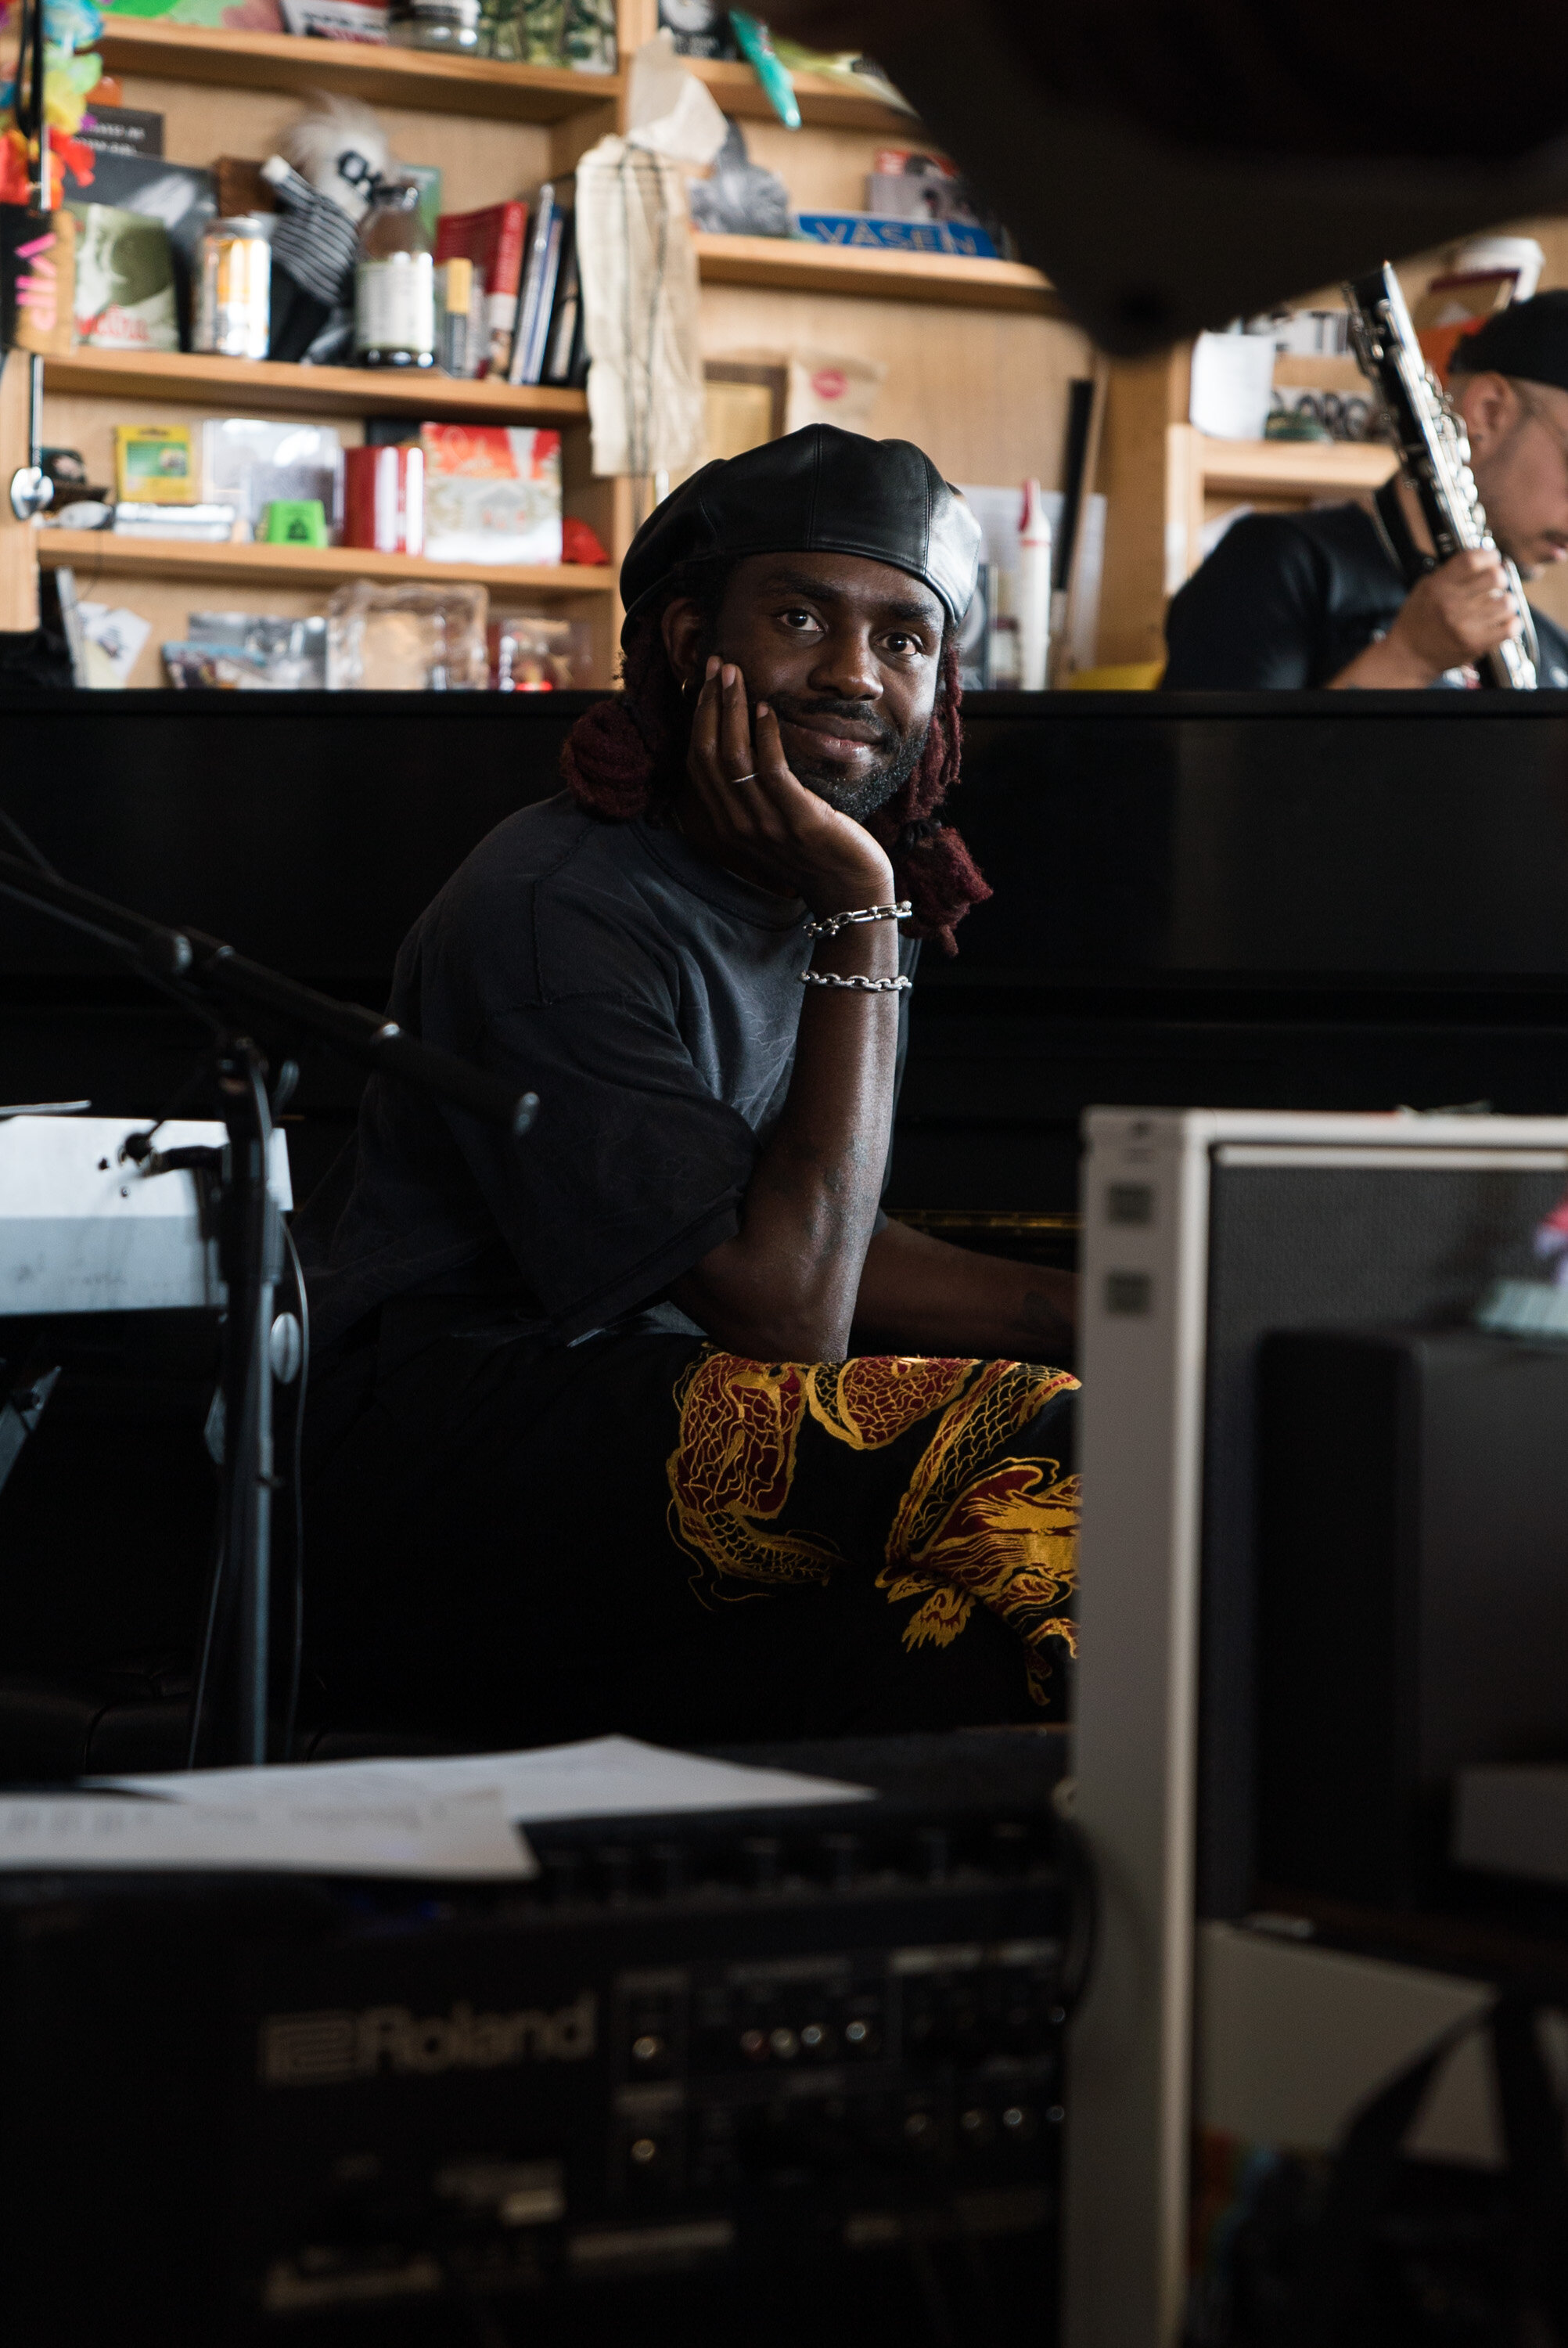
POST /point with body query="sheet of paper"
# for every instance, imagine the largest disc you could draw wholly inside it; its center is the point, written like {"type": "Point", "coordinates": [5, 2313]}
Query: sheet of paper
{"type": "Point", "coordinates": [606, 1777]}
{"type": "Point", "coordinates": [350, 1830]}
{"type": "Point", "coordinates": [1233, 380]}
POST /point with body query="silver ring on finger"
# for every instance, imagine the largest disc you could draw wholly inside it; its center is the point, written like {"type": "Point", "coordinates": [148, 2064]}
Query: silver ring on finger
{"type": "Point", "coordinates": [743, 778]}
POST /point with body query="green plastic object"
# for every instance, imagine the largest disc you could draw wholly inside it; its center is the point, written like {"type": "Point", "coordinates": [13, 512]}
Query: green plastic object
{"type": "Point", "coordinates": [758, 51]}
{"type": "Point", "coordinates": [294, 521]}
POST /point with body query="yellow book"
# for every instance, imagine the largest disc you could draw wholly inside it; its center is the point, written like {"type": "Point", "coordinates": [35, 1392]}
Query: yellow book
{"type": "Point", "coordinates": [155, 464]}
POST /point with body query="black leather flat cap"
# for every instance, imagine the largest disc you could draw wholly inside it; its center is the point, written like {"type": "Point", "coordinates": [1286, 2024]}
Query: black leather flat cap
{"type": "Point", "coordinates": [1527, 338]}
{"type": "Point", "coordinates": [819, 492]}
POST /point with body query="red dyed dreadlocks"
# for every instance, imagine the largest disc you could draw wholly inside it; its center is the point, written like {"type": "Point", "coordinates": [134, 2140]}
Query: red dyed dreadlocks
{"type": "Point", "coordinates": [621, 760]}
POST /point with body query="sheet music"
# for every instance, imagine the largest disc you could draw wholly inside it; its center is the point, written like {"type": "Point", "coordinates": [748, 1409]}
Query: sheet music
{"type": "Point", "coordinates": [603, 1776]}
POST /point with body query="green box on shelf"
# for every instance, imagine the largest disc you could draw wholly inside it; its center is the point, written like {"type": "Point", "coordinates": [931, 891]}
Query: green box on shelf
{"type": "Point", "coordinates": [294, 521]}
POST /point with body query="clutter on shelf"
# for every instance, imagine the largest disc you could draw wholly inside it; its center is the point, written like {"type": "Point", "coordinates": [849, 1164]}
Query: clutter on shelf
{"type": "Point", "coordinates": [251, 464]}
{"type": "Point", "coordinates": [703, 28]}
{"type": "Point", "coordinates": [249, 652]}
{"type": "Point", "coordinates": [915, 202]}
{"type": "Point", "coordinates": [328, 251]}
{"type": "Point", "coordinates": [698, 28]}
{"type": "Point", "coordinates": [739, 198]}
{"type": "Point", "coordinates": [576, 34]}
{"type": "Point", "coordinates": [408, 639]}
{"type": "Point", "coordinates": [1011, 633]}
{"type": "Point", "coordinates": [530, 653]}
{"type": "Point", "coordinates": [411, 639]}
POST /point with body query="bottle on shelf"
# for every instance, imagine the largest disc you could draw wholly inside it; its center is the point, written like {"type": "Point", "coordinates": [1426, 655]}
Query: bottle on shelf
{"type": "Point", "coordinates": [1033, 592]}
{"type": "Point", "coordinates": [395, 282]}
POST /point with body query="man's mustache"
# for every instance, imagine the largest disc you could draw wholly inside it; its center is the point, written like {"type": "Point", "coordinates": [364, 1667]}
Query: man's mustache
{"type": "Point", "coordinates": [800, 707]}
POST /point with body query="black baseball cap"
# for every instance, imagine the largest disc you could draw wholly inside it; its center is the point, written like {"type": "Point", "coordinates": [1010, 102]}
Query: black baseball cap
{"type": "Point", "coordinates": [819, 491]}
{"type": "Point", "coordinates": [1528, 339]}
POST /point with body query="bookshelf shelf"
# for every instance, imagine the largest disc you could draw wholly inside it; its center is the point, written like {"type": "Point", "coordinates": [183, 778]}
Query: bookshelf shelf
{"type": "Point", "coordinates": [1291, 468]}
{"type": "Point", "coordinates": [243, 384]}
{"type": "Point", "coordinates": [791, 265]}
{"type": "Point", "coordinates": [99, 553]}
{"type": "Point", "coordinates": [824, 103]}
{"type": "Point", "coordinates": [420, 79]}
{"type": "Point", "coordinates": [1201, 477]}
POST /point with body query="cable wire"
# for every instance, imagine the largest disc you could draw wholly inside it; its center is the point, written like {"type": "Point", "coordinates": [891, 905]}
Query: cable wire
{"type": "Point", "coordinates": [296, 1662]}
{"type": "Point", "coordinates": [29, 848]}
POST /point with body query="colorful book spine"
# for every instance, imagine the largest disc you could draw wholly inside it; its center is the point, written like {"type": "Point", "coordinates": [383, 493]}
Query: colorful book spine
{"type": "Point", "coordinates": [492, 239]}
{"type": "Point", "coordinates": [566, 320]}
{"type": "Point", "coordinates": [534, 294]}
{"type": "Point", "coordinates": [549, 277]}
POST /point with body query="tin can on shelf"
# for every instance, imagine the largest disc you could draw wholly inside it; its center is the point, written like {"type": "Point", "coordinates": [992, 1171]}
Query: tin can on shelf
{"type": "Point", "coordinates": [233, 288]}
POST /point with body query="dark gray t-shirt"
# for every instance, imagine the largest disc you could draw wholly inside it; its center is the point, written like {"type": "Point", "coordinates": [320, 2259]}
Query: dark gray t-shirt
{"type": "Point", "coordinates": [651, 1000]}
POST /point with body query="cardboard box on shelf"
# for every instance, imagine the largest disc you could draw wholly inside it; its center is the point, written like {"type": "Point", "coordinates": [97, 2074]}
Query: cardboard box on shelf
{"type": "Point", "coordinates": [492, 493]}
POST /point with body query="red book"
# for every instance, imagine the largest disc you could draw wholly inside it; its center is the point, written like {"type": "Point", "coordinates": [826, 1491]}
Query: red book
{"type": "Point", "coordinates": [493, 240]}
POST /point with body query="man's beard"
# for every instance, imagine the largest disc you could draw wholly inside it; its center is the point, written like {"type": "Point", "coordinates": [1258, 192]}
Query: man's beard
{"type": "Point", "coordinates": [899, 754]}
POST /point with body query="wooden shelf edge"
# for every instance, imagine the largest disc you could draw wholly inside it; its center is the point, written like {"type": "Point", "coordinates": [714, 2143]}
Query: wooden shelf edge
{"type": "Point", "coordinates": [198, 377]}
{"type": "Point", "coordinates": [1294, 464]}
{"type": "Point", "coordinates": [824, 102]}
{"type": "Point", "coordinates": [389, 75]}
{"type": "Point", "coordinates": [794, 265]}
{"type": "Point", "coordinates": [99, 552]}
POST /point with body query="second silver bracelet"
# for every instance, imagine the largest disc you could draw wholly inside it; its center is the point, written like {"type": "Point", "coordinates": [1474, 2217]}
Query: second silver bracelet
{"type": "Point", "coordinates": [857, 985]}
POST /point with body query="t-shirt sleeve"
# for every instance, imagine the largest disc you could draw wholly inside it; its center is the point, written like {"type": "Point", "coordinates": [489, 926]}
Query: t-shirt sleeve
{"type": "Point", "coordinates": [1251, 618]}
{"type": "Point", "coordinates": [633, 1168]}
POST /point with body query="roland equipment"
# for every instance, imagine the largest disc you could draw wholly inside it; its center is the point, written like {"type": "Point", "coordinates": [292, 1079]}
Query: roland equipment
{"type": "Point", "coordinates": [774, 2076]}
{"type": "Point", "coordinates": [1434, 454]}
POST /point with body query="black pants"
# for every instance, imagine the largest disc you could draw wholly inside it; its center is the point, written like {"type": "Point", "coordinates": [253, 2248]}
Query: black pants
{"type": "Point", "coordinates": [516, 1542]}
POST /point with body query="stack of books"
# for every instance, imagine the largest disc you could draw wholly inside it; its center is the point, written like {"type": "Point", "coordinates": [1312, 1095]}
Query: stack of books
{"type": "Point", "coordinates": [210, 525]}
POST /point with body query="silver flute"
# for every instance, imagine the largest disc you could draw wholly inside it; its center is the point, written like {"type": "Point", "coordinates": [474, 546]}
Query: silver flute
{"type": "Point", "coordinates": [1434, 453]}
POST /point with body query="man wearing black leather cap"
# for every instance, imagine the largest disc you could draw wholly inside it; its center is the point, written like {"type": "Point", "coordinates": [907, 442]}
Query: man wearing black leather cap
{"type": "Point", "coordinates": [592, 1448]}
{"type": "Point", "coordinates": [1319, 599]}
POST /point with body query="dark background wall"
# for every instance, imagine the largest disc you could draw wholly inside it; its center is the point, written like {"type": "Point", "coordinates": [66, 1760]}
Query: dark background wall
{"type": "Point", "coordinates": [1315, 901]}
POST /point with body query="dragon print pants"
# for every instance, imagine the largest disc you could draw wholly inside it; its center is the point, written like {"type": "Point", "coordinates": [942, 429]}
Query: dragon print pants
{"type": "Point", "coordinates": [643, 1533]}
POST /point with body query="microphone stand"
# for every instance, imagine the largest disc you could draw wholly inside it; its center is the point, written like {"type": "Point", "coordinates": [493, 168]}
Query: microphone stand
{"type": "Point", "coordinates": [261, 1350]}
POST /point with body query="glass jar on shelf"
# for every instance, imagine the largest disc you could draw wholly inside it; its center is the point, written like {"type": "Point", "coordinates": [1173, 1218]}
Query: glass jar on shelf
{"type": "Point", "coordinates": [452, 25]}
{"type": "Point", "coordinates": [395, 282]}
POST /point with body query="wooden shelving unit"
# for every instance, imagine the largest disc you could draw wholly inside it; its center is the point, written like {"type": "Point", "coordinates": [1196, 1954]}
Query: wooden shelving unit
{"type": "Point", "coordinates": [824, 102]}
{"type": "Point", "coordinates": [1204, 476]}
{"type": "Point", "coordinates": [1166, 481]}
{"type": "Point", "coordinates": [1272, 469]}
{"type": "Point", "coordinates": [383, 76]}
{"type": "Point", "coordinates": [784, 264]}
{"type": "Point", "coordinates": [986, 394]}
{"type": "Point", "coordinates": [100, 553]}
{"type": "Point", "coordinates": [239, 383]}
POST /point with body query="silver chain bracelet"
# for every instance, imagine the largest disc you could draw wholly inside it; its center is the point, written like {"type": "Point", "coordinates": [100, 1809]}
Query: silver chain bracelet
{"type": "Point", "coordinates": [831, 924]}
{"type": "Point", "coordinates": [857, 985]}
